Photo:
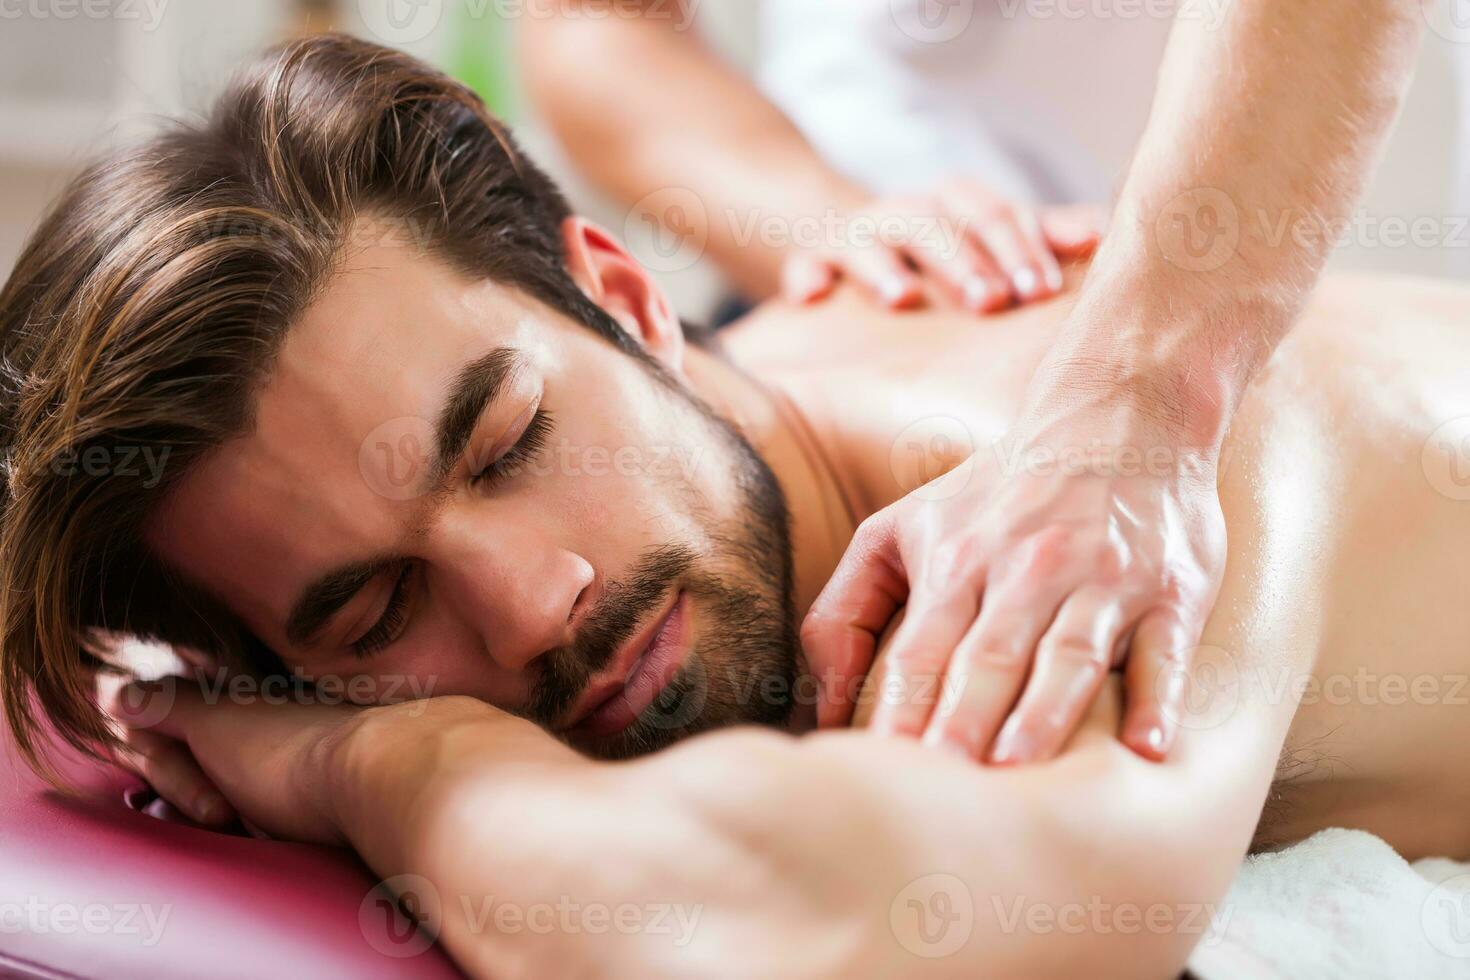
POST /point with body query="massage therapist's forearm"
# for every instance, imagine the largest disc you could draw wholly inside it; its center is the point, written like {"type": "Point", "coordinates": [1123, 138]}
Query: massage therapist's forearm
{"type": "Point", "coordinates": [643, 105]}
{"type": "Point", "coordinates": [1263, 134]}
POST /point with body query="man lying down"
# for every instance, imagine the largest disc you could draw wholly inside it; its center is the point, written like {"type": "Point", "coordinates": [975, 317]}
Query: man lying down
{"type": "Point", "coordinates": [476, 452]}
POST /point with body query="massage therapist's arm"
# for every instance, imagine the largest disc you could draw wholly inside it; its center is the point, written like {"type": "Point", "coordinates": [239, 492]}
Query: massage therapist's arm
{"type": "Point", "coordinates": [1093, 534]}
{"type": "Point", "coordinates": [782, 857]}
{"type": "Point", "coordinates": [653, 115]}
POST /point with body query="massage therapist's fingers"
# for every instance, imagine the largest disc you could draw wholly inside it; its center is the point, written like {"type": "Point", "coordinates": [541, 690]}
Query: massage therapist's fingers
{"type": "Point", "coordinates": [1012, 236]}
{"type": "Point", "coordinates": [1072, 231]}
{"type": "Point", "coordinates": [969, 273]}
{"type": "Point", "coordinates": [1155, 681]}
{"type": "Point", "coordinates": [839, 636]}
{"type": "Point", "coordinates": [174, 774]}
{"type": "Point", "coordinates": [914, 665]}
{"type": "Point", "coordinates": [884, 272]}
{"type": "Point", "coordinates": [1072, 660]}
{"type": "Point", "coordinates": [807, 277]}
{"type": "Point", "coordinates": [989, 668]}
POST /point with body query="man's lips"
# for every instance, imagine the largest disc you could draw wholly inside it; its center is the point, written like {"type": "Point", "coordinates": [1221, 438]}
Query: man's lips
{"type": "Point", "coordinates": [639, 673]}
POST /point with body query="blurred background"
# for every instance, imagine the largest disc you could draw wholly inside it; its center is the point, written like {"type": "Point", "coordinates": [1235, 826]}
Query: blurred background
{"type": "Point", "coordinates": [79, 75]}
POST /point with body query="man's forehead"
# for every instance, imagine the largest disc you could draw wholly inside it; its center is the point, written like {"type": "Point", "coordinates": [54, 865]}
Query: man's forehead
{"type": "Point", "coordinates": [372, 355]}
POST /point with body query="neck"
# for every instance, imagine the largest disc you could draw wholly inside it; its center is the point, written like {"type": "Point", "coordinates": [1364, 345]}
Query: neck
{"type": "Point", "coordinates": [822, 521]}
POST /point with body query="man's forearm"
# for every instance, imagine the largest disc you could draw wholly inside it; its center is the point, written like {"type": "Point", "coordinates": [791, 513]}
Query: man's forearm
{"type": "Point", "coordinates": [495, 815]}
{"type": "Point", "coordinates": [762, 855]}
{"type": "Point", "coordinates": [1263, 134]}
{"type": "Point", "coordinates": [643, 106]}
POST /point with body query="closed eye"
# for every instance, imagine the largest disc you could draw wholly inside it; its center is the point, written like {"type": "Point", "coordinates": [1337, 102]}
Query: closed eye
{"type": "Point", "coordinates": [513, 460]}
{"type": "Point", "coordinates": [390, 623]}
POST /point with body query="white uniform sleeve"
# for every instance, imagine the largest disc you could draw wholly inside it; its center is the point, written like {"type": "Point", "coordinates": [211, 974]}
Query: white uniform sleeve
{"type": "Point", "coordinates": [863, 96]}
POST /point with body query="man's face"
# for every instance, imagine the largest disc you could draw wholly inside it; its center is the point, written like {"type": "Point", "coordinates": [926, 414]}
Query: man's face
{"type": "Point", "coordinates": [448, 482]}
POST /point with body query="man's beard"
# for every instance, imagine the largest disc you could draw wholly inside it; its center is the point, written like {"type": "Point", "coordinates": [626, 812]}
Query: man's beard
{"type": "Point", "coordinates": [742, 667]}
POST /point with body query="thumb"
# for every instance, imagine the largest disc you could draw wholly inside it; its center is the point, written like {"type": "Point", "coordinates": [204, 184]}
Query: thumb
{"type": "Point", "coordinates": [840, 633]}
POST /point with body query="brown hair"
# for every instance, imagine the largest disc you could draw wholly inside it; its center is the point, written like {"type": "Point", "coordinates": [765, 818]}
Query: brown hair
{"type": "Point", "coordinates": [148, 307]}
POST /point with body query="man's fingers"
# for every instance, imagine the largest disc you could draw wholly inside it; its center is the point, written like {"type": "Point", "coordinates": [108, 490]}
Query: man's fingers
{"type": "Point", "coordinates": [988, 670]}
{"type": "Point", "coordinates": [1072, 660]}
{"type": "Point", "coordinates": [174, 774]}
{"type": "Point", "coordinates": [1154, 682]}
{"type": "Point", "coordinates": [840, 633]}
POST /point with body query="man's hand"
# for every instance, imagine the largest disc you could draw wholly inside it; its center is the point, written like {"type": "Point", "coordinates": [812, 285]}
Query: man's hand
{"type": "Point", "coordinates": [164, 763]}
{"type": "Point", "coordinates": [984, 252]}
{"type": "Point", "coordinates": [1105, 543]}
{"type": "Point", "coordinates": [269, 760]}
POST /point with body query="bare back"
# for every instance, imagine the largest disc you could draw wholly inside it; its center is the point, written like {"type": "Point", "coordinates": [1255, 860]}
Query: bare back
{"type": "Point", "coordinates": [1348, 521]}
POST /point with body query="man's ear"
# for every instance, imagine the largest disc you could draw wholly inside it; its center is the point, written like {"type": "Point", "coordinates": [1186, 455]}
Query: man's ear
{"type": "Point", "coordinates": [616, 281]}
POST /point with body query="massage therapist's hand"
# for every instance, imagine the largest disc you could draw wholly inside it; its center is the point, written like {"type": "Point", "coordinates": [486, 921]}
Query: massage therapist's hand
{"type": "Point", "coordinates": [1026, 574]}
{"type": "Point", "coordinates": [985, 253]}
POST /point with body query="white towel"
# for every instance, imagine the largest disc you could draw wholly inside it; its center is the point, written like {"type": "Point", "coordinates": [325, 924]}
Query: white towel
{"type": "Point", "coordinates": [1340, 905]}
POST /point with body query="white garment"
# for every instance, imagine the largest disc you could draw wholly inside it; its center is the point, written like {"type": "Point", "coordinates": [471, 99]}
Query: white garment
{"type": "Point", "coordinates": [1043, 99]}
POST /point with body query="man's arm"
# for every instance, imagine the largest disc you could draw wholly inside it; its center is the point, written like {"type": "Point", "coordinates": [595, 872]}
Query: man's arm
{"type": "Point", "coordinates": [1107, 540]}
{"type": "Point", "coordinates": [657, 119]}
{"type": "Point", "coordinates": [839, 855]}
{"type": "Point", "coordinates": [642, 105]}
{"type": "Point", "coordinates": [763, 855]}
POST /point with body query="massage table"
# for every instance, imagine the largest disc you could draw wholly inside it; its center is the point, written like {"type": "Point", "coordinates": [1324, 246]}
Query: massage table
{"type": "Point", "coordinates": [114, 883]}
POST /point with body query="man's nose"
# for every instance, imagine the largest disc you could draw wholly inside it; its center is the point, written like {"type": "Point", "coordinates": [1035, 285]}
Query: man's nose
{"type": "Point", "coordinates": [520, 592]}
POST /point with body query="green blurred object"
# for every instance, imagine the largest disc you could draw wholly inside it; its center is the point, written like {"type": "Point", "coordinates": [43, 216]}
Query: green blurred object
{"type": "Point", "coordinates": [480, 55]}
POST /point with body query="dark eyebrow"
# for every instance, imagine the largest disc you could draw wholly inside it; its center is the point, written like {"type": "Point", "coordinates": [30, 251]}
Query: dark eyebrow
{"type": "Point", "coordinates": [321, 600]}
{"type": "Point", "coordinates": [476, 387]}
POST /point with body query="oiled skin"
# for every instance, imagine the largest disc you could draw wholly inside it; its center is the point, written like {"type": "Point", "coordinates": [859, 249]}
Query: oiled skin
{"type": "Point", "coordinates": [1344, 554]}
